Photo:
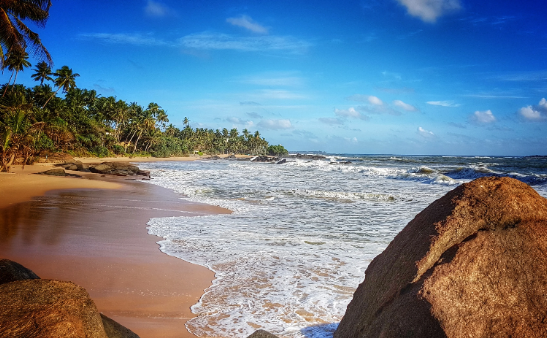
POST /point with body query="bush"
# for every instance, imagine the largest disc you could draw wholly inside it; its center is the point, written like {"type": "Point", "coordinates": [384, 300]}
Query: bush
{"type": "Point", "coordinates": [277, 150]}
{"type": "Point", "coordinates": [100, 151]}
{"type": "Point", "coordinates": [118, 149]}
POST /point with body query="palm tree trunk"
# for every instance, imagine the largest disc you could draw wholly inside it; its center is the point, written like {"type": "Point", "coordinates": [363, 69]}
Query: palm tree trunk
{"type": "Point", "coordinates": [7, 85]}
{"type": "Point", "coordinates": [137, 141]}
{"type": "Point", "coordinates": [52, 96]}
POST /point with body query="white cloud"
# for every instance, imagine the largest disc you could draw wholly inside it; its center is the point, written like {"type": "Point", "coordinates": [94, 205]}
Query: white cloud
{"type": "Point", "coordinates": [275, 124]}
{"type": "Point", "coordinates": [375, 101]}
{"type": "Point", "coordinates": [248, 23]}
{"type": "Point", "coordinates": [430, 10]}
{"type": "Point", "coordinates": [443, 103]}
{"type": "Point", "coordinates": [535, 113]}
{"type": "Point", "coordinates": [351, 112]}
{"type": "Point", "coordinates": [529, 113]}
{"type": "Point", "coordinates": [216, 41]}
{"type": "Point", "coordinates": [156, 9]}
{"type": "Point", "coordinates": [405, 106]}
{"type": "Point", "coordinates": [483, 116]}
{"type": "Point", "coordinates": [425, 133]}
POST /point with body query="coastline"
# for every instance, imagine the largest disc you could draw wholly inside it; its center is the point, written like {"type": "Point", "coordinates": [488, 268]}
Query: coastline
{"type": "Point", "coordinates": [92, 231]}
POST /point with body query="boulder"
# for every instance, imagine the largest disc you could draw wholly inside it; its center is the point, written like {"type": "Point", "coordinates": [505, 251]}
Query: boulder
{"type": "Point", "coordinates": [47, 308]}
{"type": "Point", "coordinates": [262, 334]}
{"type": "Point", "coordinates": [114, 329]}
{"type": "Point", "coordinates": [100, 168]}
{"type": "Point", "coordinates": [54, 172]}
{"type": "Point", "coordinates": [472, 264]}
{"type": "Point", "coordinates": [11, 271]}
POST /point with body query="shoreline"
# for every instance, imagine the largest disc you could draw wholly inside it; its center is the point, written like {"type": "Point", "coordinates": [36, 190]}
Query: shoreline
{"type": "Point", "coordinates": [92, 231]}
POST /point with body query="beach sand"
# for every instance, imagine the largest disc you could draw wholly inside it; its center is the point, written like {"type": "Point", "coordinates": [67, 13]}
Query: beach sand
{"type": "Point", "coordinates": [93, 233]}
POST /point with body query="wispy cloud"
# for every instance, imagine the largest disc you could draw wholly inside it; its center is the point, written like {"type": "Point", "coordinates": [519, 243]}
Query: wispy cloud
{"type": "Point", "coordinates": [331, 121]}
{"type": "Point", "coordinates": [248, 23]}
{"type": "Point", "coordinates": [238, 121]}
{"type": "Point", "coordinates": [483, 117]}
{"type": "Point", "coordinates": [273, 80]}
{"type": "Point", "coordinates": [404, 106]}
{"type": "Point", "coordinates": [156, 9]}
{"type": "Point", "coordinates": [275, 124]}
{"type": "Point", "coordinates": [430, 10]}
{"type": "Point", "coordinates": [254, 115]}
{"type": "Point", "coordinates": [351, 113]}
{"type": "Point", "coordinates": [209, 41]}
{"type": "Point", "coordinates": [425, 133]}
{"type": "Point", "coordinates": [375, 100]}
{"type": "Point", "coordinates": [534, 113]}
{"type": "Point", "coordinates": [249, 103]}
{"type": "Point", "coordinates": [443, 103]}
{"type": "Point", "coordinates": [129, 39]}
{"type": "Point", "coordinates": [218, 41]}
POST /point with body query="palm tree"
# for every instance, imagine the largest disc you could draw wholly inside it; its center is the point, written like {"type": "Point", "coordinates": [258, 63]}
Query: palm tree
{"type": "Point", "coordinates": [42, 72]}
{"type": "Point", "coordinates": [15, 35]}
{"type": "Point", "coordinates": [64, 79]}
{"type": "Point", "coordinates": [16, 62]}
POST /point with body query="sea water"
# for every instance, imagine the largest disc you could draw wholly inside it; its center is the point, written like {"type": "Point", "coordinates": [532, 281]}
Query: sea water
{"type": "Point", "coordinates": [301, 235]}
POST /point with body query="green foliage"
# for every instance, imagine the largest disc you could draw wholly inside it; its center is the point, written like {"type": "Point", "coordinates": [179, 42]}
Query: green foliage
{"type": "Point", "coordinates": [277, 150]}
{"type": "Point", "coordinates": [83, 123]}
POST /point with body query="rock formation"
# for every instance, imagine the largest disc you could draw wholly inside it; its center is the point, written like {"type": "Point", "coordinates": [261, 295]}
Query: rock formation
{"type": "Point", "coordinates": [40, 308]}
{"type": "Point", "coordinates": [262, 334]}
{"type": "Point", "coordinates": [472, 264]}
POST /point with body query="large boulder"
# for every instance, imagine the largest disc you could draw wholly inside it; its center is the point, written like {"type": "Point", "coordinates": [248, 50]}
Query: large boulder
{"type": "Point", "coordinates": [472, 264]}
{"type": "Point", "coordinates": [47, 308]}
{"type": "Point", "coordinates": [24, 308]}
{"type": "Point", "coordinates": [262, 334]}
{"type": "Point", "coordinates": [11, 271]}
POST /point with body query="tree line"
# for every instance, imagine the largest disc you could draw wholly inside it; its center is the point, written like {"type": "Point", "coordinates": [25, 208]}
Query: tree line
{"type": "Point", "coordinates": [36, 121]}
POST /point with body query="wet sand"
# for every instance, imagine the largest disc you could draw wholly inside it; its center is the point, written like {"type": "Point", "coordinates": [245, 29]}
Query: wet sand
{"type": "Point", "coordinates": [97, 238]}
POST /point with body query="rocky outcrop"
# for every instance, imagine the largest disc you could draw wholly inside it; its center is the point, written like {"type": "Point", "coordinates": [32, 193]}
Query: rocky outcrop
{"type": "Point", "coordinates": [11, 271]}
{"type": "Point", "coordinates": [47, 308]}
{"type": "Point", "coordinates": [262, 334]}
{"type": "Point", "coordinates": [472, 264]}
{"type": "Point", "coordinates": [40, 308]}
{"type": "Point", "coordinates": [114, 329]}
{"type": "Point", "coordinates": [54, 172]}
{"type": "Point", "coordinates": [307, 156]}
{"type": "Point", "coordinates": [118, 169]}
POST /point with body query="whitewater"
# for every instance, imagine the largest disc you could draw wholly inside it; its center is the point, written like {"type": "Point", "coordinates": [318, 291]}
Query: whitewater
{"type": "Point", "coordinates": [301, 235]}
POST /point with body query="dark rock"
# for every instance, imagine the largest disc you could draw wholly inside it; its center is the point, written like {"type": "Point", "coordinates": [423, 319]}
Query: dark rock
{"type": "Point", "coordinates": [307, 157]}
{"type": "Point", "coordinates": [232, 156]}
{"type": "Point", "coordinates": [11, 271]}
{"type": "Point", "coordinates": [115, 168]}
{"type": "Point", "coordinates": [100, 168]}
{"type": "Point", "coordinates": [47, 308]}
{"type": "Point", "coordinates": [472, 264]}
{"type": "Point", "coordinates": [144, 173]}
{"type": "Point", "coordinates": [262, 334]}
{"type": "Point", "coordinates": [284, 160]}
{"type": "Point", "coordinates": [80, 166]}
{"type": "Point", "coordinates": [54, 172]}
{"type": "Point", "coordinates": [264, 158]}
{"type": "Point", "coordinates": [114, 329]}
{"type": "Point", "coordinates": [71, 167]}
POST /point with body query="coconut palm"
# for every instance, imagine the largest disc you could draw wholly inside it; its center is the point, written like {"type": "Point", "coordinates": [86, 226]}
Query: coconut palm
{"type": "Point", "coordinates": [16, 62]}
{"type": "Point", "coordinates": [64, 79]}
{"type": "Point", "coordinates": [42, 72]}
{"type": "Point", "coordinates": [15, 35]}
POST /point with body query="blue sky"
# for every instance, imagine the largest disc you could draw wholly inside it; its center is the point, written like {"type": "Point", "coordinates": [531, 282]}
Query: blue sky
{"type": "Point", "coordinates": [454, 77]}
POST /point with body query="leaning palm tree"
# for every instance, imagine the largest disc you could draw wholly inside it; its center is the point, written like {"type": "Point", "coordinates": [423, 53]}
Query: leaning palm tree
{"type": "Point", "coordinates": [42, 72]}
{"type": "Point", "coordinates": [16, 61]}
{"type": "Point", "coordinates": [64, 79]}
{"type": "Point", "coordinates": [14, 34]}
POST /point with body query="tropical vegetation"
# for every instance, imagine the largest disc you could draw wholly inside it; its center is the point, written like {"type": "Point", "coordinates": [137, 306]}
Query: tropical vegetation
{"type": "Point", "coordinates": [35, 121]}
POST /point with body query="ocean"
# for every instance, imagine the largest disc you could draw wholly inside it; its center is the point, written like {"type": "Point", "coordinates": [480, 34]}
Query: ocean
{"type": "Point", "coordinates": [302, 233]}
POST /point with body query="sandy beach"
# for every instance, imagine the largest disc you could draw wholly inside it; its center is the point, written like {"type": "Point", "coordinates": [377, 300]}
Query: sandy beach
{"type": "Point", "coordinates": [92, 231]}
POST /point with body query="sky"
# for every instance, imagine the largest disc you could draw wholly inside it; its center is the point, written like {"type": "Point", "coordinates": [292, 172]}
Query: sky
{"type": "Point", "coordinates": [422, 77]}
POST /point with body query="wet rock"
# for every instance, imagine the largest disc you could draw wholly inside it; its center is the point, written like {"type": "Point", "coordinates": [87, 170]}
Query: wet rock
{"type": "Point", "coordinates": [71, 167]}
{"type": "Point", "coordinates": [54, 172]}
{"type": "Point", "coordinates": [47, 308]}
{"type": "Point", "coordinates": [114, 329]}
{"type": "Point", "coordinates": [307, 156]}
{"type": "Point", "coordinates": [281, 161]}
{"type": "Point", "coordinates": [472, 264]}
{"type": "Point", "coordinates": [264, 158]}
{"type": "Point", "coordinates": [262, 334]}
{"type": "Point", "coordinates": [118, 169]}
{"type": "Point", "coordinates": [100, 168]}
{"type": "Point", "coordinates": [11, 271]}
